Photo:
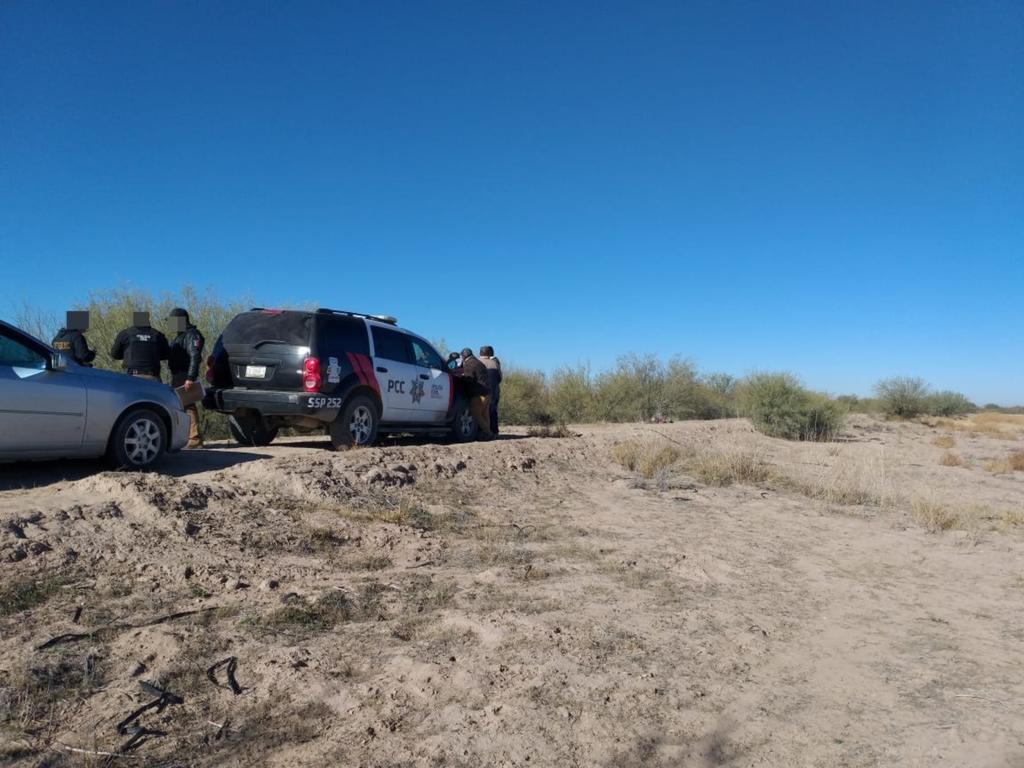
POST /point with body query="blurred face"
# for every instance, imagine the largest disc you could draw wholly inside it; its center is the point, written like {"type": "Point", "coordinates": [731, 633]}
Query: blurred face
{"type": "Point", "coordinates": [179, 324]}
{"type": "Point", "coordinates": [140, 319]}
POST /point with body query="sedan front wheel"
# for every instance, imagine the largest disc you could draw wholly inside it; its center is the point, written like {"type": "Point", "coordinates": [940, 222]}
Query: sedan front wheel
{"type": "Point", "coordinates": [139, 440]}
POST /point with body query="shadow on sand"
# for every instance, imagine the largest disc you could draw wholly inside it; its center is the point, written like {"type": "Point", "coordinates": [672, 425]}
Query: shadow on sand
{"type": "Point", "coordinates": [36, 474]}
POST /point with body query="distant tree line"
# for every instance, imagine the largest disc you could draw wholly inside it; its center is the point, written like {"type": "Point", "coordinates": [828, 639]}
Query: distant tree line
{"type": "Point", "coordinates": [639, 387]}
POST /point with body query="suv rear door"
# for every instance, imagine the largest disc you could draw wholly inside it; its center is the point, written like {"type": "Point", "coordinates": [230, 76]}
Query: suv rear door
{"type": "Point", "coordinates": [266, 348]}
{"type": "Point", "coordinates": [395, 372]}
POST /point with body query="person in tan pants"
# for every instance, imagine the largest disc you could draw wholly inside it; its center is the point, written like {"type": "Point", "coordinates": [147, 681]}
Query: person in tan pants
{"type": "Point", "coordinates": [480, 401]}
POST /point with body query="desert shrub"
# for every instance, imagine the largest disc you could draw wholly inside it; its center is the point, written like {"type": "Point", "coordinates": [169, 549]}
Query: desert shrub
{"type": "Point", "coordinates": [571, 395]}
{"type": "Point", "coordinates": [684, 395]}
{"type": "Point", "coordinates": [948, 404]}
{"type": "Point", "coordinates": [855, 404]}
{"type": "Point", "coordinates": [524, 397]}
{"type": "Point", "coordinates": [641, 387]}
{"type": "Point", "coordinates": [944, 441]}
{"type": "Point", "coordinates": [632, 391]}
{"type": "Point", "coordinates": [779, 406]}
{"type": "Point", "coordinates": [903, 396]}
{"type": "Point", "coordinates": [718, 396]}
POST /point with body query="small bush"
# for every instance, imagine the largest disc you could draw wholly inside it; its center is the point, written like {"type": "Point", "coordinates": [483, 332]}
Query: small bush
{"type": "Point", "coordinates": [329, 609]}
{"type": "Point", "coordinates": [779, 406]}
{"type": "Point", "coordinates": [944, 441]}
{"type": "Point", "coordinates": [902, 396]}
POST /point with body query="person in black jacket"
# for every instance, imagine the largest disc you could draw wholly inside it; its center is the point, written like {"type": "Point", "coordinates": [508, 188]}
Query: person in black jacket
{"type": "Point", "coordinates": [70, 340]}
{"type": "Point", "coordinates": [186, 356]}
{"type": "Point", "coordinates": [140, 348]}
{"type": "Point", "coordinates": [480, 400]}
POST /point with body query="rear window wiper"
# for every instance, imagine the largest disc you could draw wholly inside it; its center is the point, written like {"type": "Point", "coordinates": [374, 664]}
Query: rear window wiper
{"type": "Point", "coordinates": [261, 342]}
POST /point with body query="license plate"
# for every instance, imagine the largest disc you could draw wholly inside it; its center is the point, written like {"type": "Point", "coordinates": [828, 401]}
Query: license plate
{"type": "Point", "coordinates": [255, 371]}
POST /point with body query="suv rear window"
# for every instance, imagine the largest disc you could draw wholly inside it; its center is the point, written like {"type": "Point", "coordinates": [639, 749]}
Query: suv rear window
{"type": "Point", "coordinates": [253, 328]}
{"type": "Point", "coordinates": [390, 345]}
{"type": "Point", "coordinates": [339, 334]}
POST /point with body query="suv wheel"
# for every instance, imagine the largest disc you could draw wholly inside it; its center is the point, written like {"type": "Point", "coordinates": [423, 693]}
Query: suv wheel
{"type": "Point", "coordinates": [464, 426]}
{"type": "Point", "coordinates": [138, 440]}
{"type": "Point", "coordinates": [251, 430]}
{"type": "Point", "coordinates": [356, 425]}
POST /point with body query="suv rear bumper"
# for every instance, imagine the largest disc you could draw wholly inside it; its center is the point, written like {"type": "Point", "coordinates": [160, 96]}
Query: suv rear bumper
{"type": "Point", "coordinates": [274, 403]}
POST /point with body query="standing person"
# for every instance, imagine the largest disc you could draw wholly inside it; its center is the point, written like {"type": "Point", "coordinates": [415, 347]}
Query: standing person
{"type": "Point", "coordinates": [186, 355]}
{"type": "Point", "coordinates": [71, 339]}
{"type": "Point", "coordinates": [480, 400]}
{"type": "Point", "coordinates": [493, 366]}
{"type": "Point", "coordinates": [140, 348]}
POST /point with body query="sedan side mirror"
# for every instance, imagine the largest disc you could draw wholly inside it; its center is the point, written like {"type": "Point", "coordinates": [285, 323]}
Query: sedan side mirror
{"type": "Point", "coordinates": [58, 362]}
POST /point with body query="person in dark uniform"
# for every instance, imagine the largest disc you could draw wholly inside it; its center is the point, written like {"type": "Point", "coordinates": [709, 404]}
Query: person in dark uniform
{"type": "Point", "coordinates": [141, 348]}
{"type": "Point", "coordinates": [186, 355]}
{"type": "Point", "coordinates": [70, 340]}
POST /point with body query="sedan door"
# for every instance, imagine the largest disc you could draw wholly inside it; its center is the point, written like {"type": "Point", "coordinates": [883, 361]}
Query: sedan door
{"type": "Point", "coordinates": [42, 410]}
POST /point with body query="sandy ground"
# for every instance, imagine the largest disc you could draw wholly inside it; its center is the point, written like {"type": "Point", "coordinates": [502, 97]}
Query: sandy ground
{"type": "Point", "coordinates": [525, 602]}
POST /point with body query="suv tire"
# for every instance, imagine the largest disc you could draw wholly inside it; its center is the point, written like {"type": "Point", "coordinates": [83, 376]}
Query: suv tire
{"type": "Point", "coordinates": [464, 426]}
{"type": "Point", "coordinates": [356, 425]}
{"type": "Point", "coordinates": [138, 441]}
{"type": "Point", "coordinates": [251, 430]}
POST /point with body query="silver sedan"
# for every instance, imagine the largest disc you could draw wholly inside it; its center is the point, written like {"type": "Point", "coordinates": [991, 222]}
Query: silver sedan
{"type": "Point", "coordinates": [51, 407]}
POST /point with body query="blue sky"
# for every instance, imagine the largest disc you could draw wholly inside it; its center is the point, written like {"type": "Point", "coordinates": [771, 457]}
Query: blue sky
{"type": "Point", "coordinates": [830, 188]}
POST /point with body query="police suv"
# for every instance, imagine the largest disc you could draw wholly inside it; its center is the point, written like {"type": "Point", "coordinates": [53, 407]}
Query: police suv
{"type": "Point", "coordinates": [354, 375]}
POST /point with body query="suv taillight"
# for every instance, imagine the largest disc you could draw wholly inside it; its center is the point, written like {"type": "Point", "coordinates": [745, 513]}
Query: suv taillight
{"type": "Point", "coordinates": [209, 369]}
{"type": "Point", "coordinates": [311, 374]}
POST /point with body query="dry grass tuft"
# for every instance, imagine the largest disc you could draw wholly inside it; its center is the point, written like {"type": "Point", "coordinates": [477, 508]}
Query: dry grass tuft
{"type": "Point", "coordinates": [944, 441]}
{"type": "Point", "coordinates": [1014, 462]}
{"type": "Point", "coordinates": [20, 594]}
{"type": "Point", "coordinates": [547, 430]}
{"type": "Point", "coordinates": [645, 456]}
{"type": "Point", "coordinates": [1001, 426]}
{"type": "Point", "coordinates": [950, 459]}
{"type": "Point", "coordinates": [736, 465]}
{"type": "Point", "coordinates": [932, 516]}
{"type": "Point", "coordinates": [848, 481]}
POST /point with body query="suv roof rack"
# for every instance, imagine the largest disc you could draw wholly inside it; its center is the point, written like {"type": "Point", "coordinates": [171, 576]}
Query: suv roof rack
{"type": "Point", "coordinates": [325, 311]}
{"type": "Point", "coordinates": [379, 318]}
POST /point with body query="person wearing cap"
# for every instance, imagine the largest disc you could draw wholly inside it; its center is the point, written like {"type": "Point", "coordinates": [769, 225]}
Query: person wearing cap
{"type": "Point", "coordinates": [184, 360]}
{"type": "Point", "coordinates": [493, 366]}
{"type": "Point", "coordinates": [480, 399]}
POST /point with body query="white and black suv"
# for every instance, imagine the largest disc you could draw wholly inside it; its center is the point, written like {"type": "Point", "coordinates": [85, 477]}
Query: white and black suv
{"type": "Point", "coordinates": [352, 374]}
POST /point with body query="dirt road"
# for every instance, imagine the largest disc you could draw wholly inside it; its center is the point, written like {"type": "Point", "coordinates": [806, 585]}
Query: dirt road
{"type": "Point", "coordinates": [525, 602]}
